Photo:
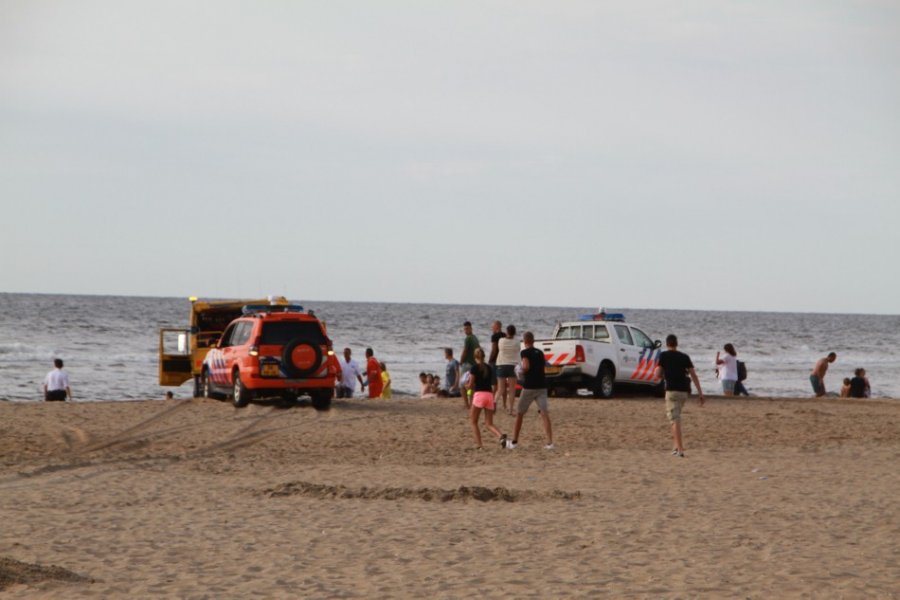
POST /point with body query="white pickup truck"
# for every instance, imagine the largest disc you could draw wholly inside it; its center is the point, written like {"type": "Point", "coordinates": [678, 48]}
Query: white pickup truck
{"type": "Point", "coordinates": [600, 352]}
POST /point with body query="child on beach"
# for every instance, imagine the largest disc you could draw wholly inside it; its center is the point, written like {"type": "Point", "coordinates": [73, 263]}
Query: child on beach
{"type": "Point", "coordinates": [845, 389]}
{"type": "Point", "coordinates": [426, 386]}
{"type": "Point", "coordinates": [482, 398]}
{"type": "Point", "coordinates": [385, 383]}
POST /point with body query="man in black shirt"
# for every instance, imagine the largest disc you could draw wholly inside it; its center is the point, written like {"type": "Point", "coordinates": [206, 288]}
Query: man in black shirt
{"type": "Point", "coordinates": [534, 389]}
{"type": "Point", "coordinates": [678, 371]}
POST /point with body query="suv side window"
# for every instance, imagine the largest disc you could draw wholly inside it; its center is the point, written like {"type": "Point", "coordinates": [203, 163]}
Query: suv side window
{"type": "Point", "coordinates": [242, 333]}
{"type": "Point", "coordinates": [641, 339]}
{"type": "Point", "coordinates": [624, 335]}
{"type": "Point", "coordinates": [236, 334]}
{"type": "Point", "coordinates": [564, 333]}
{"type": "Point", "coordinates": [601, 332]}
{"type": "Point", "coordinates": [228, 335]}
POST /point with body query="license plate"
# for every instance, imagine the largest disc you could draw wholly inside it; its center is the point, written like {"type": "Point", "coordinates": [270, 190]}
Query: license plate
{"type": "Point", "coordinates": [552, 370]}
{"type": "Point", "coordinates": [270, 371]}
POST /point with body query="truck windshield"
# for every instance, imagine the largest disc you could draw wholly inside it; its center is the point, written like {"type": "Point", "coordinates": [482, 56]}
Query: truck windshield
{"type": "Point", "coordinates": [282, 332]}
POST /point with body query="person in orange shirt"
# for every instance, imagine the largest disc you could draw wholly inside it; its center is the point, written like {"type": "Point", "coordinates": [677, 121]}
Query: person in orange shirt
{"type": "Point", "coordinates": [373, 372]}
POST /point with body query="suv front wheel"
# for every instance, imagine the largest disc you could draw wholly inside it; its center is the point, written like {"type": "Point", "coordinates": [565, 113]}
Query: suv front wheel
{"type": "Point", "coordinates": [241, 395]}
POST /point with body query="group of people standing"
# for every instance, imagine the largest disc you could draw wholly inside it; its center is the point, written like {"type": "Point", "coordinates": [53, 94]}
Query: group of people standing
{"type": "Point", "coordinates": [486, 381]}
{"type": "Point", "coordinates": [378, 380]}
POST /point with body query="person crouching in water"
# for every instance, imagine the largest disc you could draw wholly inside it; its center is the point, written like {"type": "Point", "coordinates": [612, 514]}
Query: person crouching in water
{"type": "Point", "coordinates": [482, 398]}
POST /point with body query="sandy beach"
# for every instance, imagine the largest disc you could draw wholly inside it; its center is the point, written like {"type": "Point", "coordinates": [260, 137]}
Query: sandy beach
{"type": "Point", "coordinates": [195, 499]}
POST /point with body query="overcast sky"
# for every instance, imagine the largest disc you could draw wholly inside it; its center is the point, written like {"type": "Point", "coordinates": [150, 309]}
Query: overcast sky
{"type": "Point", "coordinates": [698, 155]}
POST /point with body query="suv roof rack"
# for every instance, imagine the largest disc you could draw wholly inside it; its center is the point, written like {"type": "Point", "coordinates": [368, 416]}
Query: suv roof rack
{"type": "Point", "coordinates": [250, 309]}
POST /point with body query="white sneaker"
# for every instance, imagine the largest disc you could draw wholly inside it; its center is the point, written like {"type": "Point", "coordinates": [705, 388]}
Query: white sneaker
{"type": "Point", "coordinates": [550, 447]}
{"type": "Point", "coordinates": [511, 445]}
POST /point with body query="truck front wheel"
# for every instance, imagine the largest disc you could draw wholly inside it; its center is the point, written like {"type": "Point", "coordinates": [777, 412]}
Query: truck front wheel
{"type": "Point", "coordinates": [604, 383]}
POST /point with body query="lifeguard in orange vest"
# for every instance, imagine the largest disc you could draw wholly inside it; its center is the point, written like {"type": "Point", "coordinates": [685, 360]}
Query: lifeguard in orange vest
{"type": "Point", "coordinates": [373, 373]}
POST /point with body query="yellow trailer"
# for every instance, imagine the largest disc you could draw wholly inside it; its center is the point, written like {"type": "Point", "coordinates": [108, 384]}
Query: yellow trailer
{"type": "Point", "coordinates": [181, 351]}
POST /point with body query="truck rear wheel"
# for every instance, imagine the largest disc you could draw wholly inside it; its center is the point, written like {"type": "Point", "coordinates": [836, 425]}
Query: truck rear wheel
{"type": "Point", "coordinates": [604, 383]}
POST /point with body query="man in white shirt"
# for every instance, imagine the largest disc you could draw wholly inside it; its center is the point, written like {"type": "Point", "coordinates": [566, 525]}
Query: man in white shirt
{"type": "Point", "coordinates": [56, 383]}
{"type": "Point", "coordinates": [350, 374]}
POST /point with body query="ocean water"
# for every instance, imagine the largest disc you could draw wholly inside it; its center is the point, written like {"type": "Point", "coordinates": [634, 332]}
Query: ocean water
{"type": "Point", "coordinates": [109, 343]}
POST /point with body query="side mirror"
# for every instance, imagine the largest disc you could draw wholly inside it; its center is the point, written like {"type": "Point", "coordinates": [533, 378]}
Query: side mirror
{"type": "Point", "coordinates": [657, 344]}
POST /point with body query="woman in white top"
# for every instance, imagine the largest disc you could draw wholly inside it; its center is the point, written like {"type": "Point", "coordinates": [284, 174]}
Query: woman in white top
{"type": "Point", "coordinates": [507, 359]}
{"type": "Point", "coordinates": [727, 368]}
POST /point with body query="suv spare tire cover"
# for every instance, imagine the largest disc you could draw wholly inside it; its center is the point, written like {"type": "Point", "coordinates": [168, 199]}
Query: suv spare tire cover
{"type": "Point", "coordinates": [301, 357]}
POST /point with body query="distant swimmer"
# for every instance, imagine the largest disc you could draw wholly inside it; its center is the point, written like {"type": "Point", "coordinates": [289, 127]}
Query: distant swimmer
{"type": "Point", "coordinates": [817, 376]}
{"type": "Point", "coordinates": [677, 370]}
{"type": "Point", "coordinates": [56, 383]}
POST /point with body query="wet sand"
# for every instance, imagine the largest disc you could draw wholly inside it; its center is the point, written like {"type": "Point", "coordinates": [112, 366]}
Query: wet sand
{"type": "Point", "coordinates": [779, 498]}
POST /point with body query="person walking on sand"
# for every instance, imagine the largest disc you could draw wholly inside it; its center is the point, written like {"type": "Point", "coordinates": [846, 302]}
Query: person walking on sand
{"type": "Point", "coordinates": [507, 359]}
{"type": "Point", "coordinates": [350, 374]}
{"type": "Point", "coordinates": [482, 399]}
{"type": "Point", "coordinates": [727, 368]}
{"type": "Point", "coordinates": [817, 376]}
{"type": "Point", "coordinates": [56, 383]}
{"type": "Point", "coordinates": [534, 389]}
{"type": "Point", "coordinates": [373, 374]}
{"type": "Point", "coordinates": [677, 370]}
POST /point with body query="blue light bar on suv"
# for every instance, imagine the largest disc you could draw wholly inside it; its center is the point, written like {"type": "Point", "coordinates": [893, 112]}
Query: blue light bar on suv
{"type": "Point", "coordinates": [270, 308]}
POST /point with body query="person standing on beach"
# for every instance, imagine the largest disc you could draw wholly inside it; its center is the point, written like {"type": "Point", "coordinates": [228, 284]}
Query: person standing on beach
{"type": "Point", "coordinates": [677, 370]}
{"type": "Point", "coordinates": [534, 389]}
{"type": "Point", "coordinates": [373, 374]}
{"type": "Point", "coordinates": [467, 358]}
{"type": "Point", "coordinates": [496, 335]}
{"type": "Point", "coordinates": [56, 383]}
{"type": "Point", "coordinates": [482, 399]}
{"type": "Point", "coordinates": [507, 359]}
{"type": "Point", "coordinates": [451, 374]}
{"type": "Point", "coordinates": [726, 367]}
{"type": "Point", "coordinates": [386, 392]}
{"type": "Point", "coordinates": [817, 376]}
{"type": "Point", "coordinates": [350, 374]}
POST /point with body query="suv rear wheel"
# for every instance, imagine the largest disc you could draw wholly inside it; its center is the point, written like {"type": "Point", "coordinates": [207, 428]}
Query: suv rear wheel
{"type": "Point", "coordinates": [321, 399]}
{"type": "Point", "coordinates": [241, 395]}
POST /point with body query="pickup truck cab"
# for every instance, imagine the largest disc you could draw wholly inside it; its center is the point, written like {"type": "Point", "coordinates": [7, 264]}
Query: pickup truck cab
{"type": "Point", "coordinates": [600, 352]}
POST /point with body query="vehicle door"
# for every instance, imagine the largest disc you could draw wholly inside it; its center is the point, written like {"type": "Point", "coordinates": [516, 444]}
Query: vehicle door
{"type": "Point", "coordinates": [174, 356]}
{"type": "Point", "coordinates": [629, 354]}
{"type": "Point", "coordinates": [646, 369]}
{"type": "Point", "coordinates": [221, 360]}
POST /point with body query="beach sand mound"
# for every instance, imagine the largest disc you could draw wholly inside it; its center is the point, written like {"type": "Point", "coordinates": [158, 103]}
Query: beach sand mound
{"type": "Point", "coordinates": [13, 572]}
{"type": "Point", "coordinates": [461, 494]}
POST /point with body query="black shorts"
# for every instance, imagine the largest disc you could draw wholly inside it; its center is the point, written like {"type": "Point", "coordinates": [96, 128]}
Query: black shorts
{"type": "Point", "coordinates": [56, 395]}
